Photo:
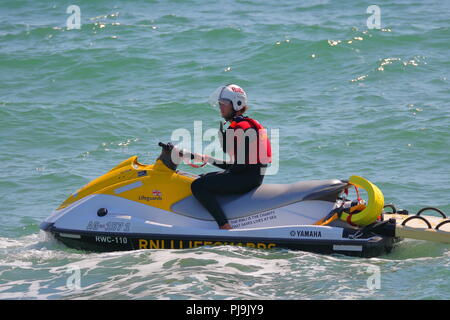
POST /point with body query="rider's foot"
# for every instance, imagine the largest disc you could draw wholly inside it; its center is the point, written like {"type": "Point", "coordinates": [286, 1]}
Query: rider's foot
{"type": "Point", "coordinates": [226, 226]}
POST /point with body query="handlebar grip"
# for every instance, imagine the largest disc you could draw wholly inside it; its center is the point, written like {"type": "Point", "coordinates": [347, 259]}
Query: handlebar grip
{"type": "Point", "coordinates": [169, 147]}
{"type": "Point", "coordinates": [166, 146]}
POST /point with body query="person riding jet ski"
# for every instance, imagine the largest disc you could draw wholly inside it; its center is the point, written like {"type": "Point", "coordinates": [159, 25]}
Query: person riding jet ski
{"type": "Point", "coordinates": [248, 146]}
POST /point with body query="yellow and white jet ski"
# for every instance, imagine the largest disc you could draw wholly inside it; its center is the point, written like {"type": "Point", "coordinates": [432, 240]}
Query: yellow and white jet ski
{"type": "Point", "coordinates": [138, 206]}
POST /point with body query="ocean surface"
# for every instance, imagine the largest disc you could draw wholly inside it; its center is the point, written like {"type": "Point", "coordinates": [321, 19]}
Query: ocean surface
{"type": "Point", "coordinates": [346, 98]}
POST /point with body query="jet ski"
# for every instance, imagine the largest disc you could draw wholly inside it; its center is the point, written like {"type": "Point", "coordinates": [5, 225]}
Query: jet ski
{"type": "Point", "coordinates": [137, 206]}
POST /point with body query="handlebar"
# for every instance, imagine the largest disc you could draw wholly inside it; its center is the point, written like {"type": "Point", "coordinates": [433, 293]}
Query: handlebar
{"type": "Point", "coordinates": [166, 146]}
{"type": "Point", "coordinates": [169, 147]}
{"type": "Point", "coordinates": [182, 153]}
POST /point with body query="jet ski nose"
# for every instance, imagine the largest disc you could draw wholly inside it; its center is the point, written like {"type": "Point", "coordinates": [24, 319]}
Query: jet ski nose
{"type": "Point", "coordinates": [45, 226]}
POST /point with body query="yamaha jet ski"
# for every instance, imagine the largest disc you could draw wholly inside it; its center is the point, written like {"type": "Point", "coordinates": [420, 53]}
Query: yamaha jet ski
{"type": "Point", "coordinates": [138, 206]}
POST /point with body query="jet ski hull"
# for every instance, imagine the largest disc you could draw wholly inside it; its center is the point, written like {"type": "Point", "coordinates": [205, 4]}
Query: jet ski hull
{"type": "Point", "coordinates": [296, 238]}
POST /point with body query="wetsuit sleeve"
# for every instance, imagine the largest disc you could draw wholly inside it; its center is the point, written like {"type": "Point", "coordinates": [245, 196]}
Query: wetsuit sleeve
{"type": "Point", "coordinates": [221, 164]}
{"type": "Point", "coordinates": [238, 148]}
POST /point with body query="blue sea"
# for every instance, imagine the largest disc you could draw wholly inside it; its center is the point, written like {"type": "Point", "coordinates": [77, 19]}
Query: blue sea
{"type": "Point", "coordinates": [352, 89]}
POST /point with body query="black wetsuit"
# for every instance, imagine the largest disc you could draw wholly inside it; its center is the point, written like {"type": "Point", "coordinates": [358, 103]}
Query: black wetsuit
{"type": "Point", "coordinates": [235, 179]}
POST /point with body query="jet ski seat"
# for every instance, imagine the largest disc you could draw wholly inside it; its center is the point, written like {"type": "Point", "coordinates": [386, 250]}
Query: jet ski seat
{"type": "Point", "coordinates": [263, 198]}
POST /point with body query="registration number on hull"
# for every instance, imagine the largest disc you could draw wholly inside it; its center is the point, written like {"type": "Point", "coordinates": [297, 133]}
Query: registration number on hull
{"type": "Point", "coordinates": [108, 239]}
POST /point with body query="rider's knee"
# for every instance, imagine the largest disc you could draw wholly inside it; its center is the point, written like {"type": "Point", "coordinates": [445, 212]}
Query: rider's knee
{"type": "Point", "coordinates": [196, 185]}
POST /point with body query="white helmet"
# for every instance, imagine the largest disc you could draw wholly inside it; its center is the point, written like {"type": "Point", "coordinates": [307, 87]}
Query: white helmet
{"type": "Point", "coordinates": [230, 92]}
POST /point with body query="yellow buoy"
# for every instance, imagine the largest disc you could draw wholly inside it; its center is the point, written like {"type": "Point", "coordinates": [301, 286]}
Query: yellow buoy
{"type": "Point", "coordinates": [374, 206]}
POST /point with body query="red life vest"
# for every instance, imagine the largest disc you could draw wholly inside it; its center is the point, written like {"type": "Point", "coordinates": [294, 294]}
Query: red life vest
{"type": "Point", "coordinates": [260, 151]}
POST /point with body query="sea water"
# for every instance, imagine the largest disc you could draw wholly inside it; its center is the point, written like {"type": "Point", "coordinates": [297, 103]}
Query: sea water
{"type": "Point", "coordinates": [351, 89]}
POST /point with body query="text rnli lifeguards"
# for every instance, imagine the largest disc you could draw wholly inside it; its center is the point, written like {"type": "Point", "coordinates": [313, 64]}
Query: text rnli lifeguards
{"type": "Point", "coordinates": [188, 244]}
